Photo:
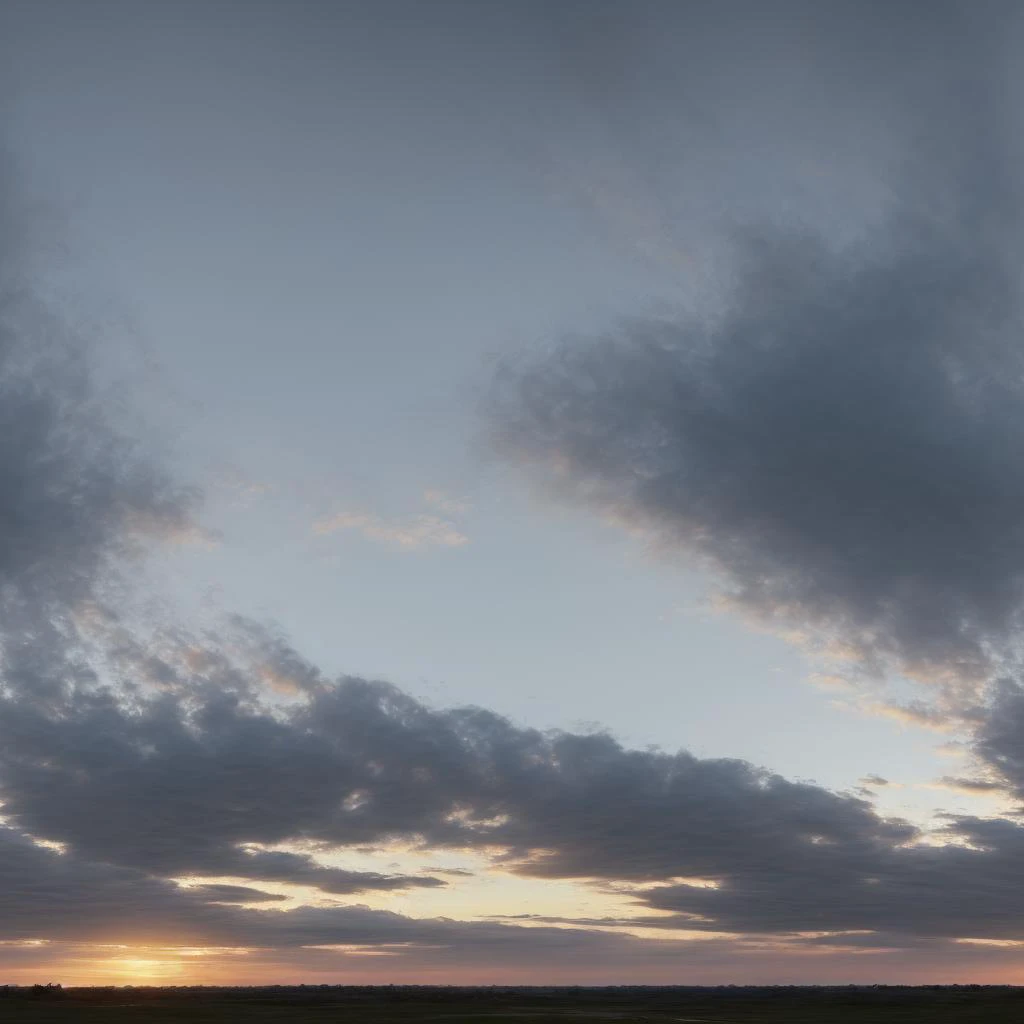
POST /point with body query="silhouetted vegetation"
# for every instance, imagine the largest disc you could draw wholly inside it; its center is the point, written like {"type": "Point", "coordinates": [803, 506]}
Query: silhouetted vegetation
{"type": "Point", "coordinates": [623, 1004]}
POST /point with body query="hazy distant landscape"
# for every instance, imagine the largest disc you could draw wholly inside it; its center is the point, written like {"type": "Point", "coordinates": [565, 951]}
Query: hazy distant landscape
{"type": "Point", "coordinates": [627, 1004]}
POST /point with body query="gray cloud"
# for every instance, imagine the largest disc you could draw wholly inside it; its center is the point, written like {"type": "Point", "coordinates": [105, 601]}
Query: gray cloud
{"type": "Point", "coordinates": [843, 449]}
{"type": "Point", "coordinates": [62, 899]}
{"type": "Point", "coordinates": [967, 784]}
{"type": "Point", "coordinates": [75, 489]}
{"type": "Point", "coordinates": [215, 893]}
{"type": "Point", "coordinates": [999, 738]}
{"type": "Point", "coordinates": [185, 781]}
{"type": "Point", "coordinates": [183, 789]}
{"type": "Point", "coordinates": [948, 891]}
{"type": "Point", "coordinates": [840, 442]}
{"type": "Point", "coordinates": [196, 782]}
{"type": "Point", "coordinates": [44, 894]}
{"type": "Point", "coordinates": [874, 780]}
{"type": "Point", "coordinates": [301, 869]}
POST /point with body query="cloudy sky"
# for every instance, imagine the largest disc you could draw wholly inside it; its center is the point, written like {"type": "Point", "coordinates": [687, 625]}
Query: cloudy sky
{"type": "Point", "coordinates": [511, 491]}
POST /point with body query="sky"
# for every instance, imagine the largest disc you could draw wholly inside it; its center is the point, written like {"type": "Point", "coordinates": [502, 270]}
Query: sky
{"type": "Point", "coordinates": [511, 492]}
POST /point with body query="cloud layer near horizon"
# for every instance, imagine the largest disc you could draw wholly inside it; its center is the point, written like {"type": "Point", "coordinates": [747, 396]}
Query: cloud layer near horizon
{"type": "Point", "coordinates": [199, 777]}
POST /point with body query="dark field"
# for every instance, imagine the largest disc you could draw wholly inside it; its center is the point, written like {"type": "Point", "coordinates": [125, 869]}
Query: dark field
{"type": "Point", "coordinates": [620, 1005]}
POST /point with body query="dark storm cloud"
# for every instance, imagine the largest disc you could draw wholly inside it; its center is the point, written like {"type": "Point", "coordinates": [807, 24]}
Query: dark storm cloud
{"type": "Point", "coordinates": [841, 442]}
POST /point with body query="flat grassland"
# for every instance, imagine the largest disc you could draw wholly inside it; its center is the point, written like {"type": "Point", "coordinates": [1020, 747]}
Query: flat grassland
{"type": "Point", "coordinates": [502, 1005]}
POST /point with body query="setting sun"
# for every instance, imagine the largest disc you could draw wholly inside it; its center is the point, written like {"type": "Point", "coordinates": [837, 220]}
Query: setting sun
{"type": "Point", "coordinates": [139, 970]}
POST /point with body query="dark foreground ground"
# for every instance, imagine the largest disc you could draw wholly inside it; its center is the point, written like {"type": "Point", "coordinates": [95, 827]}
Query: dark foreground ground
{"type": "Point", "coordinates": [625, 1005]}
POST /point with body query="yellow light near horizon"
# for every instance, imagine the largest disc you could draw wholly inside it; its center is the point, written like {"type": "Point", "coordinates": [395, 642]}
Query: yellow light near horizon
{"type": "Point", "coordinates": [142, 969]}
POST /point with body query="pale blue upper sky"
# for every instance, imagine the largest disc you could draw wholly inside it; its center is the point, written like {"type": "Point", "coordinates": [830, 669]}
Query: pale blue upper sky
{"type": "Point", "coordinates": [318, 225]}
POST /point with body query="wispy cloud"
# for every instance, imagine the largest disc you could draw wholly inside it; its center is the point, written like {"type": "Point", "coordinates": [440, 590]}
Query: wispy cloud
{"type": "Point", "coordinates": [915, 713]}
{"type": "Point", "coordinates": [446, 503]}
{"type": "Point", "coordinates": [970, 786]}
{"type": "Point", "coordinates": [411, 533]}
{"type": "Point", "coordinates": [874, 780]}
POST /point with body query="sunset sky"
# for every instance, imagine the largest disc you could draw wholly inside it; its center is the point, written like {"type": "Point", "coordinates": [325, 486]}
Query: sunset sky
{"type": "Point", "coordinates": [511, 491]}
